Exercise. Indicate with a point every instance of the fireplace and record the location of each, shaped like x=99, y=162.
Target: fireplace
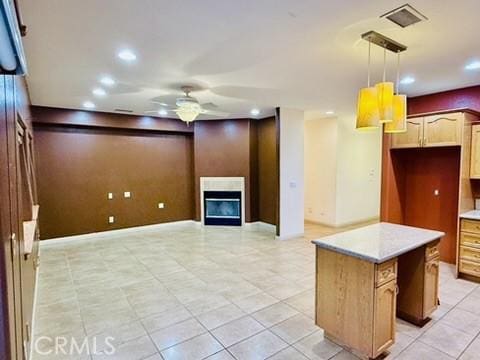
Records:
x=223, y=208
x=222, y=200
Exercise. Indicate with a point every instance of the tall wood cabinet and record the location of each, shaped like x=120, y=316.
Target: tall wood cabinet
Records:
x=431, y=131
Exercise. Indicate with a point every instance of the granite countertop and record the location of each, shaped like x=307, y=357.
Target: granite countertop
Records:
x=472, y=215
x=380, y=242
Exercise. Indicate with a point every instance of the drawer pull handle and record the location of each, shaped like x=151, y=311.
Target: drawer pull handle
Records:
x=386, y=273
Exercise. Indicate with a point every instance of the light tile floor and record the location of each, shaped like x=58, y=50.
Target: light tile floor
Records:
x=183, y=292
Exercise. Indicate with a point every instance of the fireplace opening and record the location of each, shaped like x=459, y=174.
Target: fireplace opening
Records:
x=223, y=208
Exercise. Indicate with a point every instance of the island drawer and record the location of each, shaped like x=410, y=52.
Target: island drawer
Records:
x=432, y=250
x=471, y=226
x=471, y=240
x=469, y=267
x=470, y=254
x=385, y=272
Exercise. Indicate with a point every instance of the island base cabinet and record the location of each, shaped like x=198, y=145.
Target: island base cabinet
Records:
x=384, y=317
x=418, y=279
x=356, y=302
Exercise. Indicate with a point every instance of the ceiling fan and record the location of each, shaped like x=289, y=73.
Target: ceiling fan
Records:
x=188, y=108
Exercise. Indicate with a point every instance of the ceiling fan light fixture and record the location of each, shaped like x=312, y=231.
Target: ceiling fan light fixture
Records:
x=187, y=114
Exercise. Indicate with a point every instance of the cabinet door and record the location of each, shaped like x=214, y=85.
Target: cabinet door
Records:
x=412, y=138
x=384, y=317
x=443, y=130
x=430, y=295
x=475, y=153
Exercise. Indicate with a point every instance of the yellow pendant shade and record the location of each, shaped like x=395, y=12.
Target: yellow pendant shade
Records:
x=367, y=112
x=385, y=101
x=399, y=123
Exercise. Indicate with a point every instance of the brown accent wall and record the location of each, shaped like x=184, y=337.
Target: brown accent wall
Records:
x=267, y=170
x=222, y=148
x=78, y=167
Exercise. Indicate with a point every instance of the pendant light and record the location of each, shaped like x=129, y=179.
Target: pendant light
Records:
x=385, y=94
x=367, y=112
x=399, y=123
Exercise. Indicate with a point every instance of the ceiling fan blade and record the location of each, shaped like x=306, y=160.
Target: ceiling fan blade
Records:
x=209, y=106
x=215, y=113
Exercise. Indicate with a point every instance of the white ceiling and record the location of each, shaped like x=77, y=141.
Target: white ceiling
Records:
x=251, y=53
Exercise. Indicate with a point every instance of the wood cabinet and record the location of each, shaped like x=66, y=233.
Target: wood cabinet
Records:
x=469, y=254
x=412, y=138
x=431, y=280
x=431, y=131
x=475, y=153
x=366, y=325
x=418, y=278
x=384, y=317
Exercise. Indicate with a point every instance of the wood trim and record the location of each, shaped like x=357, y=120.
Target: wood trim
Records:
x=441, y=112
x=78, y=118
x=277, y=207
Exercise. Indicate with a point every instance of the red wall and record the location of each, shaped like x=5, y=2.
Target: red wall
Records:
x=466, y=98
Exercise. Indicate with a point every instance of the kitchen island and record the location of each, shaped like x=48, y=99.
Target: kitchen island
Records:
x=368, y=276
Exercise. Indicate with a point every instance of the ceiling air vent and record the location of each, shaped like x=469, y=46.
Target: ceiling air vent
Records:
x=123, y=110
x=404, y=16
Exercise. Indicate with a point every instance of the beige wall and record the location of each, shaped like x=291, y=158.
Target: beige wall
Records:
x=342, y=171
x=320, y=168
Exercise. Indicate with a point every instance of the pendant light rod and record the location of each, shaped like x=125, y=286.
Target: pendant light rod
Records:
x=384, y=63
x=383, y=41
x=398, y=72
x=368, y=68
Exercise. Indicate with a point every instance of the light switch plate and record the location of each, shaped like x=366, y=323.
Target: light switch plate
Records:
x=161, y=205
x=126, y=194
x=111, y=219
x=110, y=196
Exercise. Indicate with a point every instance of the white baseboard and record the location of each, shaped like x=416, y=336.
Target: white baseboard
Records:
x=342, y=224
x=289, y=237
x=114, y=232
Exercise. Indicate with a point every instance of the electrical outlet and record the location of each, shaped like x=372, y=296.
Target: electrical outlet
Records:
x=126, y=194
x=111, y=219
x=161, y=205
x=110, y=196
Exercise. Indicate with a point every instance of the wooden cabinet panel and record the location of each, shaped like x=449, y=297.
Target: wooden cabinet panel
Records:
x=475, y=153
x=469, y=267
x=432, y=250
x=471, y=226
x=384, y=317
x=412, y=137
x=470, y=254
x=443, y=130
x=385, y=272
x=430, y=297
x=471, y=240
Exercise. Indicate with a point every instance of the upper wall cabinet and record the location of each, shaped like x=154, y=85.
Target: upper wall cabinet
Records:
x=475, y=154
x=412, y=137
x=431, y=131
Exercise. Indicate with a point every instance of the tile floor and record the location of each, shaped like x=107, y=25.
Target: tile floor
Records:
x=183, y=292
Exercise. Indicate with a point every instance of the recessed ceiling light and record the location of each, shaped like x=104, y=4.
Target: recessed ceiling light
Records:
x=127, y=55
x=99, y=92
x=407, y=80
x=255, y=112
x=330, y=112
x=88, y=105
x=475, y=65
x=107, y=81
x=162, y=112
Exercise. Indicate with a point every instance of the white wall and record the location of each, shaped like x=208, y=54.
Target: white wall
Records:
x=342, y=171
x=320, y=168
x=359, y=159
x=291, y=173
